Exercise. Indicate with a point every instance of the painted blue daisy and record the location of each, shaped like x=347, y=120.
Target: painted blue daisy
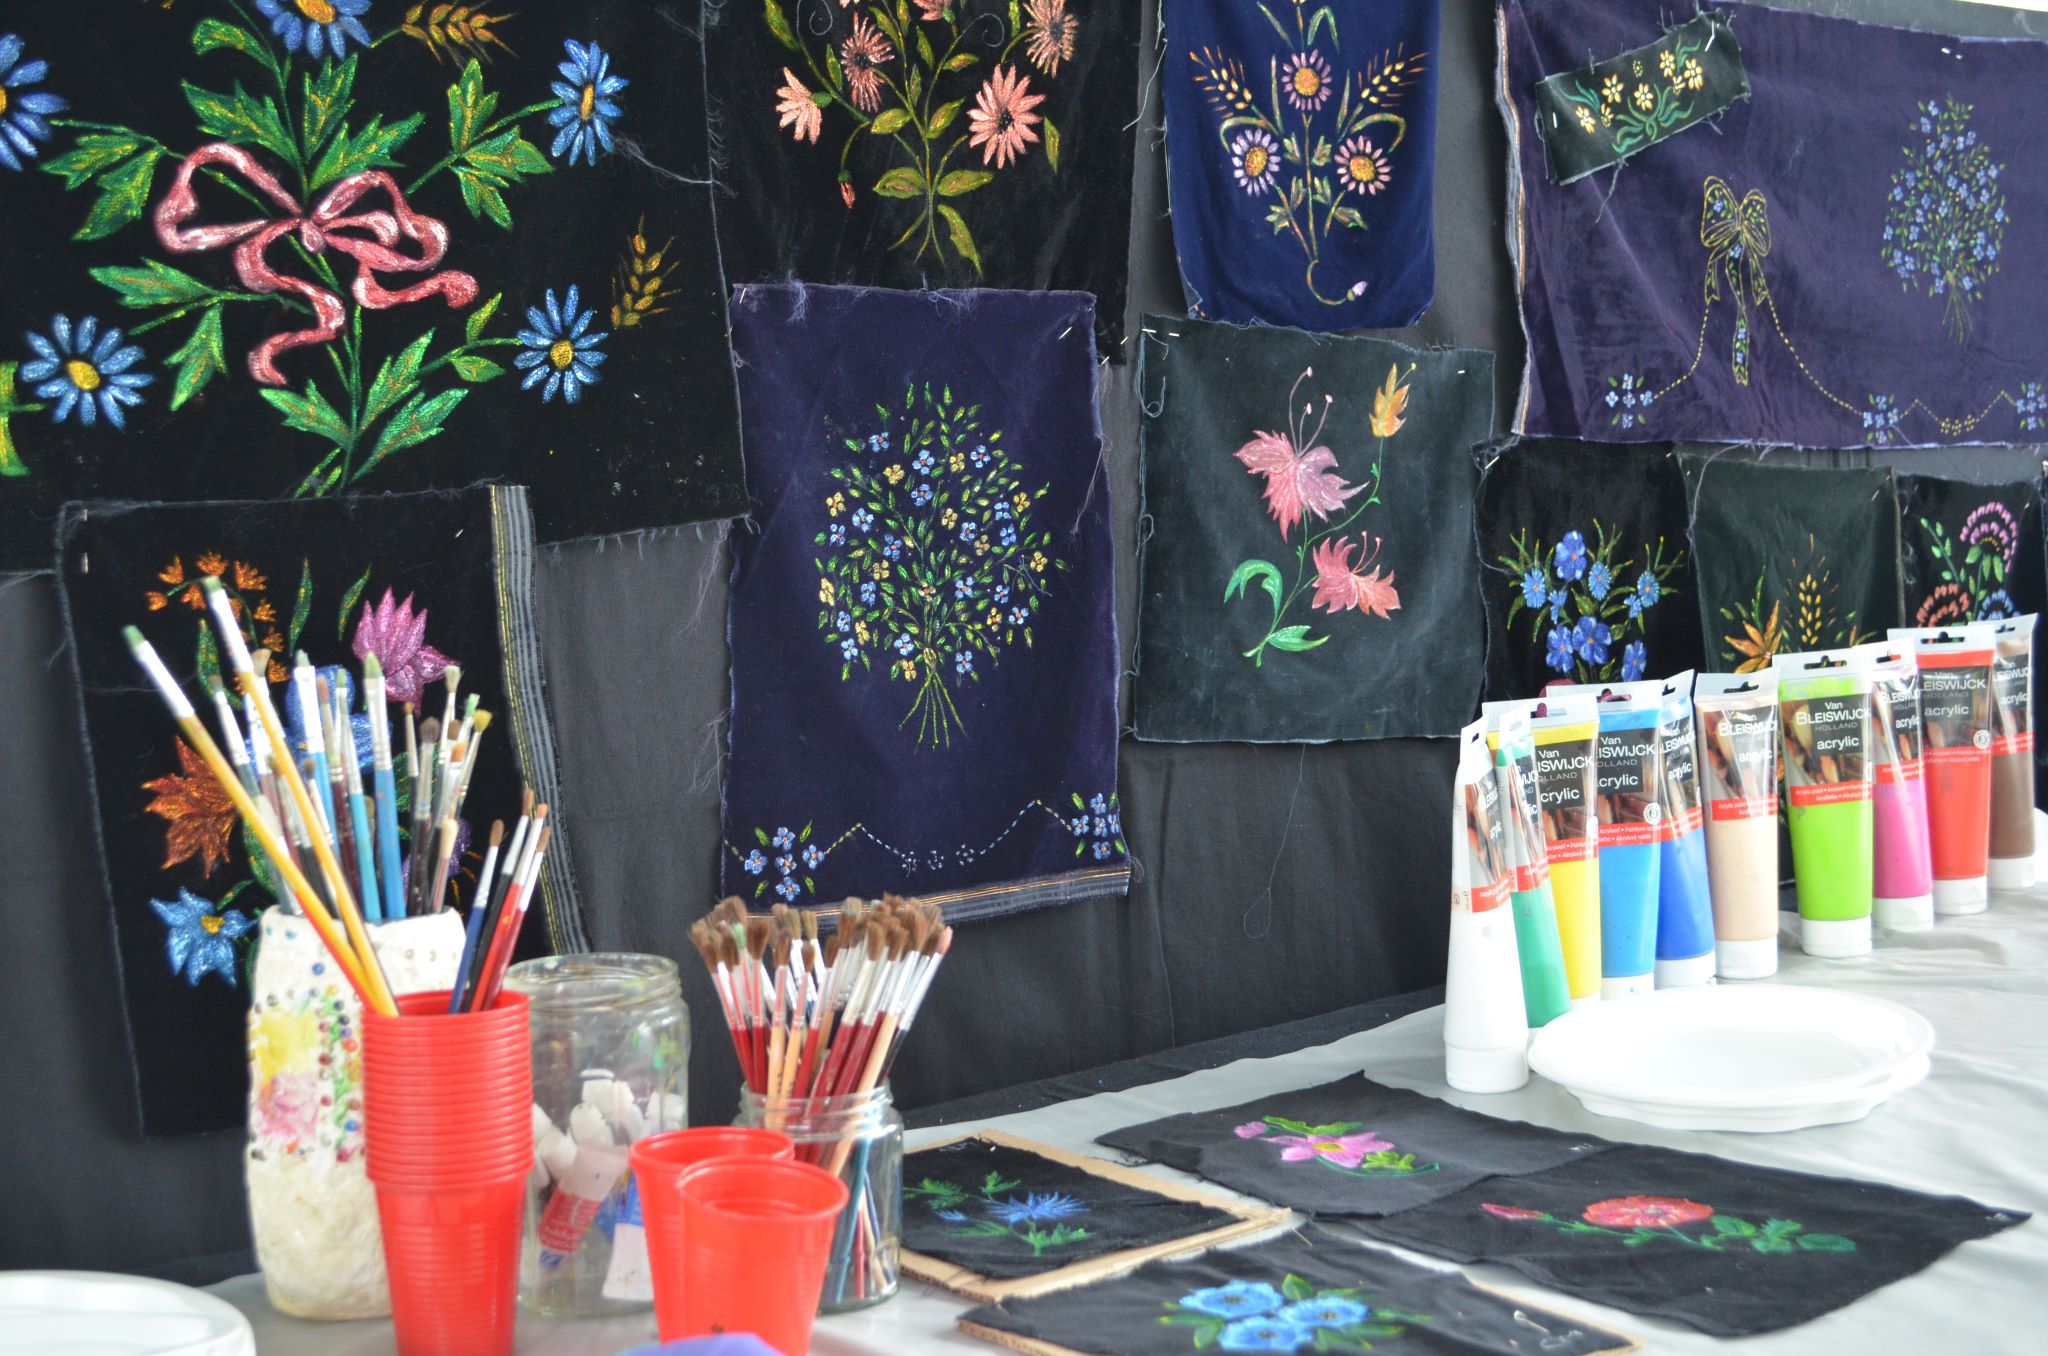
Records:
x=1038, y=1208
x=202, y=936
x=1648, y=588
x=1264, y=1334
x=85, y=370
x=23, y=110
x=1331, y=1311
x=1635, y=657
x=1239, y=1299
x=316, y=27
x=587, y=110
x=1535, y=588
x=812, y=855
x=1570, y=556
x=560, y=348
x=1591, y=636
x=756, y=861
x=783, y=838
x=1557, y=650
x=1599, y=579
x=1558, y=598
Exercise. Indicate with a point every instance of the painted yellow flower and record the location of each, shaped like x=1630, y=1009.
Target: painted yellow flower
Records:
x=1038, y=561
x=994, y=619
x=835, y=503
x=909, y=671
x=895, y=474
x=826, y=593
x=981, y=546
x=1021, y=500
x=860, y=632
x=1389, y=404
x=1694, y=76
x=1667, y=63
x=879, y=570
x=929, y=655
x=1586, y=123
x=1638, y=64
x=1611, y=91
x=1607, y=115
x=1645, y=100
x=282, y=1041
x=949, y=519
x=927, y=592
x=957, y=462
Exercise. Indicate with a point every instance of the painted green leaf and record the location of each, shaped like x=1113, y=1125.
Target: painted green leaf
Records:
x=259, y=864
x=124, y=196
x=943, y=118
x=958, y=182
x=474, y=368
x=473, y=328
x=1826, y=1243
x=349, y=601
x=94, y=153
x=1294, y=639
x=1728, y=1224
x=888, y=120
x=396, y=379
x=310, y=413
x=481, y=196
x=302, y=606
x=375, y=147
x=1295, y=1288
x=327, y=96
x=199, y=359
x=206, y=659
x=153, y=284
x=962, y=239
x=508, y=156
x=901, y=182
x=1052, y=145
x=778, y=24
x=210, y=35
x=242, y=118
x=960, y=62
x=420, y=420
x=469, y=106
x=1264, y=571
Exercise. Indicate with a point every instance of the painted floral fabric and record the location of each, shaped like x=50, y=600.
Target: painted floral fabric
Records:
x=1608, y=110
x=1307, y=573
x=1728, y=1248
x=422, y=581
x=923, y=638
x=1826, y=268
x=1301, y=159
x=1352, y=1148
x=1790, y=558
x=1002, y=1211
x=943, y=143
x=1301, y=1292
x=287, y=249
x=1969, y=552
x=1585, y=568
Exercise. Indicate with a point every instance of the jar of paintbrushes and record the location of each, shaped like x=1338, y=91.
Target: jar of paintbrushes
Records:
x=858, y=1138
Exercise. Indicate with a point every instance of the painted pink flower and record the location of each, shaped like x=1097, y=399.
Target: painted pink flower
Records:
x=1296, y=482
x=1514, y=1212
x=1002, y=118
x=1646, y=1212
x=863, y=54
x=1306, y=78
x=1346, y=1151
x=1990, y=529
x=398, y=637
x=1362, y=166
x=287, y=1106
x=931, y=11
x=799, y=112
x=1052, y=32
x=1338, y=586
x=1251, y=1129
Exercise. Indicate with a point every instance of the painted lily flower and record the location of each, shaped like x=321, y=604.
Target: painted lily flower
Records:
x=1338, y=586
x=1757, y=645
x=201, y=940
x=398, y=637
x=1297, y=482
x=1346, y=1151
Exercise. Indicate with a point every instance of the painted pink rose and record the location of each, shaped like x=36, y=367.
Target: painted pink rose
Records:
x=287, y=1106
x=1251, y=1129
x=1346, y=1151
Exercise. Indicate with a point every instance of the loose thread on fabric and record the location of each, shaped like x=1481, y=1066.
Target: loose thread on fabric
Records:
x=1265, y=896
x=707, y=771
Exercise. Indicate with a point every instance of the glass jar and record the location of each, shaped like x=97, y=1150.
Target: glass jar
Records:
x=611, y=1054
x=859, y=1139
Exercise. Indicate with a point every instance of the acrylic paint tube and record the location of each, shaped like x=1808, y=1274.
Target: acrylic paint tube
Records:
x=1902, y=876
x=1824, y=730
x=1685, y=910
x=2012, y=756
x=1955, y=720
x=1738, y=738
x=1545, y=993
x=1565, y=729
x=1486, y=1035
x=1629, y=791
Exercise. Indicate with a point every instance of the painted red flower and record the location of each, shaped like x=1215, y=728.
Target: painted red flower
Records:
x=863, y=54
x=1002, y=118
x=1296, y=482
x=1338, y=586
x=398, y=637
x=198, y=815
x=1646, y=1212
x=1948, y=603
x=1514, y=1212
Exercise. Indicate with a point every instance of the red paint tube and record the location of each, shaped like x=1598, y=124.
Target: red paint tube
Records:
x=1955, y=716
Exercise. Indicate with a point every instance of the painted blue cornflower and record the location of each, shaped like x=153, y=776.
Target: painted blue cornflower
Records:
x=843, y=622
x=924, y=463
x=812, y=855
x=1599, y=579
x=202, y=936
x=85, y=370
x=979, y=456
x=1557, y=650
x=1535, y=588
x=559, y=347
x=316, y=27
x=922, y=495
x=787, y=890
x=963, y=662
x=1264, y=1334
x=863, y=519
x=1591, y=636
x=587, y=110
x=1018, y=616
x=23, y=110
x=1332, y=1311
x=1558, y=598
x=756, y=862
x=1634, y=658
x=892, y=545
x=783, y=838
x=1649, y=588
x=1570, y=556
x=1038, y=1208
x=836, y=534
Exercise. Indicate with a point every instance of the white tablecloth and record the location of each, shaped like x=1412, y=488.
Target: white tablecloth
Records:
x=1976, y=1127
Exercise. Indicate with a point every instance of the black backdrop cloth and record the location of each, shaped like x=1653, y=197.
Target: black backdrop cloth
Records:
x=1969, y=552
x=468, y=381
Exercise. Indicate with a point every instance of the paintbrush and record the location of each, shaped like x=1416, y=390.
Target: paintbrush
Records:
x=422, y=816
x=474, y=926
x=386, y=787
x=516, y=902
x=305, y=688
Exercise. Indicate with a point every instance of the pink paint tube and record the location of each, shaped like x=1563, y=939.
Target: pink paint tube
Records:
x=1902, y=881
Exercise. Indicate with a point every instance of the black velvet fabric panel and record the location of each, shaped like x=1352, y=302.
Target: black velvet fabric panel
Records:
x=1005, y=1212
x=404, y=392
x=1969, y=552
x=1728, y=1248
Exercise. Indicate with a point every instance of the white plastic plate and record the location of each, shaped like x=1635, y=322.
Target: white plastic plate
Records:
x=90, y=1313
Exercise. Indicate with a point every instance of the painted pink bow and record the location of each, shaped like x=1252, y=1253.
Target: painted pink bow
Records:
x=370, y=237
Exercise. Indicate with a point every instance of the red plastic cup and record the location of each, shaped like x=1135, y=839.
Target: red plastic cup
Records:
x=756, y=1237
x=448, y=1134
x=658, y=1161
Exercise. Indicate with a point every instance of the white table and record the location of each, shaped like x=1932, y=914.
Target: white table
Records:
x=1976, y=1127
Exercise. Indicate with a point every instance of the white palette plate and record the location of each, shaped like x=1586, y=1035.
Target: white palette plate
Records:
x=90, y=1313
x=1722, y=1057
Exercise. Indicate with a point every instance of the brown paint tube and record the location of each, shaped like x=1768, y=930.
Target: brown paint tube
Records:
x=2012, y=756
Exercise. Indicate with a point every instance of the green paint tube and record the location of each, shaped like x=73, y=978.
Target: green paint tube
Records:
x=1546, y=994
x=1824, y=722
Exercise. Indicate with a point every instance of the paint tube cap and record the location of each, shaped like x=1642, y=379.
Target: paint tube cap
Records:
x=1835, y=938
x=2012, y=873
x=1688, y=972
x=1626, y=986
x=1912, y=914
x=1486, y=1070
x=1963, y=895
x=1757, y=959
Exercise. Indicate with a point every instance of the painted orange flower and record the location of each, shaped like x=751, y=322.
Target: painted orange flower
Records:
x=799, y=112
x=247, y=578
x=1757, y=646
x=1339, y=586
x=1002, y=118
x=1948, y=603
x=199, y=814
x=863, y=54
x=213, y=563
x=1051, y=32
x=1389, y=405
x=1646, y=1212
x=1297, y=482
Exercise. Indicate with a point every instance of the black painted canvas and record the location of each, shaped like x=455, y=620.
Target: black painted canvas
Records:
x=1790, y=559
x=1584, y=565
x=1352, y=1148
x=1298, y=1293
x=928, y=143
x=1619, y=106
x=1003, y=1212
x=1306, y=569
x=1969, y=552
x=1728, y=1248
x=422, y=581
x=259, y=249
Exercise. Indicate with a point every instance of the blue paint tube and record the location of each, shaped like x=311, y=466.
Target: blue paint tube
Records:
x=1630, y=798
x=1685, y=909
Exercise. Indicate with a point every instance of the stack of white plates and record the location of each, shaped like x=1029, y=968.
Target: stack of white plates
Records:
x=89, y=1313
x=1757, y=1057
